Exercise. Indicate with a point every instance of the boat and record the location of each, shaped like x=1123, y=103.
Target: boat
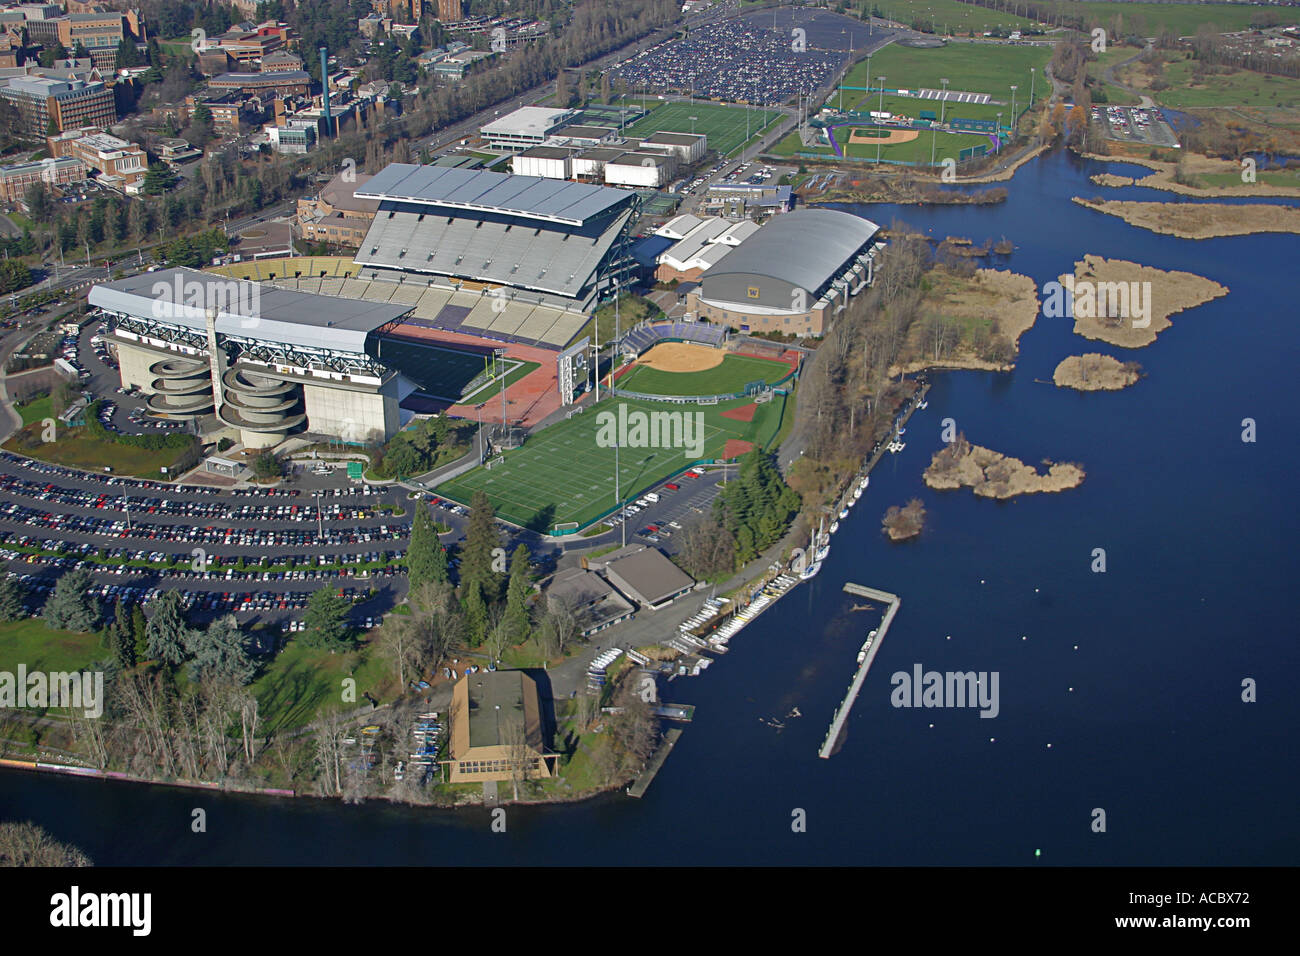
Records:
x=857, y=493
x=810, y=571
x=923, y=405
x=866, y=480
x=835, y=526
x=862, y=656
x=822, y=553
x=901, y=431
x=844, y=513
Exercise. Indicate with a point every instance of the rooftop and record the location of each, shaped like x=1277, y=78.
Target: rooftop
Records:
x=528, y=121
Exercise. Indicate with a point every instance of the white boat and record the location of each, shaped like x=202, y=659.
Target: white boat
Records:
x=862, y=656
x=901, y=431
x=924, y=405
x=866, y=480
x=811, y=570
x=835, y=526
x=844, y=513
x=822, y=553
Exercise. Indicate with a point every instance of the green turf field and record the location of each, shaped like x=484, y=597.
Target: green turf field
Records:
x=443, y=372
x=732, y=375
x=562, y=474
x=911, y=107
x=945, y=145
x=723, y=125
x=972, y=67
x=950, y=16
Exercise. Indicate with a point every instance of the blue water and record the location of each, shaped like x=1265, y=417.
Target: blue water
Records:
x=1199, y=531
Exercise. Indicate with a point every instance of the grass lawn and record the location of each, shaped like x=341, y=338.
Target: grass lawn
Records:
x=36, y=411
x=950, y=16
x=78, y=449
x=1264, y=92
x=723, y=125
x=731, y=376
x=1096, y=68
x=1147, y=19
x=31, y=643
x=972, y=67
x=563, y=475
x=944, y=145
x=1271, y=177
x=302, y=682
x=911, y=107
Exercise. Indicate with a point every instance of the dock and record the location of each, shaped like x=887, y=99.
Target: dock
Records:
x=841, y=714
x=642, y=782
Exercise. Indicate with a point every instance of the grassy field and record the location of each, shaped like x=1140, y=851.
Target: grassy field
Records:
x=723, y=125
x=76, y=448
x=731, y=376
x=951, y=16
x=1241, y=88
x=36, y=411
x=911, y=107
x=31, y=643
x=563, y=475
x=973, y=67
x=946, y=145
x=1147, y=19
x=302, y=683
x=1097, y=67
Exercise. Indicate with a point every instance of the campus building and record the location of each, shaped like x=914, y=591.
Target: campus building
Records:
x=792, y=275
x=335, y=214
x=67, y=104
x=525, y=127
x=266, y=361
x=496, y=726
x=121, y=165
x=698, y=245
x=15, y=180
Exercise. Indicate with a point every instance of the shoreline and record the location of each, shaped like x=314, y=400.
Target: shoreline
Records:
x=1198, y=220
x=1163, y=173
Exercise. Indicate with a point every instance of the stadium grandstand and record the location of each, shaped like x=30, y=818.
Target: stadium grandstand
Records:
x=644, y=337
x=264, y=361
x=512, y=258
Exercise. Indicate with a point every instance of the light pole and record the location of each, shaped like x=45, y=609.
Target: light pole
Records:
x=1032, y=71
x=998, y=147
x=943, y=100
x=881, y=79
x=1014, y=124
x=501, y=369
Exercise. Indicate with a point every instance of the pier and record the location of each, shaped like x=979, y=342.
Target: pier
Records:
x=841, y=714
x=642, y=783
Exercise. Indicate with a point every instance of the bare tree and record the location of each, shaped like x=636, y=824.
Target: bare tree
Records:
x=26, y=844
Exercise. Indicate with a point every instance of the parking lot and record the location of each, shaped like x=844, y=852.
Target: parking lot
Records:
x=658, y=516
x=1133, y=124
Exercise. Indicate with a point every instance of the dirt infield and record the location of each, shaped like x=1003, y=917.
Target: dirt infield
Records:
x=860, y=135
x=735, y=448
x=681, y=357
x=745, y=413
x=528, y=400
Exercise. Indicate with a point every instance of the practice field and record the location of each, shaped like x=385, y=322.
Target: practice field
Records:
x=565, y=473
x=723, y=125
x=652, y=375
x=944, y=145
x=971, y=67
x=950, y=16
x=442, y=372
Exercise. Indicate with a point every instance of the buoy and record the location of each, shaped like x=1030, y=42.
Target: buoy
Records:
x=932, y=725
x=1023, y=638
x=1071, y=690
x=991, y=739
x=1076, y=647
x=1035, y=590
x=1038, y=853
x=1049, y=746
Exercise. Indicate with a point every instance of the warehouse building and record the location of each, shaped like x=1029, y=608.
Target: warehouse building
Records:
x=792, y=275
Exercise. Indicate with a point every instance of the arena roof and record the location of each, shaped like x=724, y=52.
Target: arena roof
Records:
x=806, y=247
x=529, y=197
x=271, y=314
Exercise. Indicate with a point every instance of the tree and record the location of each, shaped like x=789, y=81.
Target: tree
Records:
x=69, y=607
x=326, y=621
x=121, y=640
x=200, y=132
x=517, y=590
x=12, y=595
x=139, y=632
x=158, y=179
x=26, y=844
x=426, y=559
x=267, y=466
x=477, y=554
x=167, y=632
x=220, y=653
x=53, y=53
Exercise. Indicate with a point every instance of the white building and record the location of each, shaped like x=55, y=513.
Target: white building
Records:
x=525, y=127
x=549, y=162
x=687, y=147
x=641, y=169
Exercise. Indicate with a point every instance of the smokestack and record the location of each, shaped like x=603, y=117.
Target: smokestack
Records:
x=325, y=90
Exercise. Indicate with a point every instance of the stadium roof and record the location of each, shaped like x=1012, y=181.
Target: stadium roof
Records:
x=247, y=309
x=806, y=247
x=529, y=197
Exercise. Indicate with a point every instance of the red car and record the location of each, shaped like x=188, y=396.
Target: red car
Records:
x=671, y=487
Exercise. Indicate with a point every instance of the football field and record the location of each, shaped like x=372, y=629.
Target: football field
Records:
x=565, y=473
x=723, y=125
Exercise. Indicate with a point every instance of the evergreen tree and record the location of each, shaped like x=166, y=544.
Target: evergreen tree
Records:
x=476, y=555
x=327, y=621
x=12, y=594
x=121, y=640
x=517, y=590
x=221, y=653
x=426, y=560
x=139, y=633
x=167, y=630
x=69, y=607
x=158, y=179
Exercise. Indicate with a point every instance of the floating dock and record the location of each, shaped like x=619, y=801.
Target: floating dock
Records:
x=841, y=715
x=642, y=783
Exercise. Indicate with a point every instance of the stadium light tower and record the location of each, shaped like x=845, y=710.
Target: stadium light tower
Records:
x=998, y=147
x=943, y=98
x=882, y=115
x=501, y=370
x=1014, y=87
x=1032, y=70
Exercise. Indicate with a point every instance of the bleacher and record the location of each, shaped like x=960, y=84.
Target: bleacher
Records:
x=644, y=336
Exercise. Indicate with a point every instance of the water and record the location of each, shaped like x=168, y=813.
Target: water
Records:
x=1199, y=535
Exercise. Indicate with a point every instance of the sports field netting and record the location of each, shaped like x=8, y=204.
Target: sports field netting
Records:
x=563, y=474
